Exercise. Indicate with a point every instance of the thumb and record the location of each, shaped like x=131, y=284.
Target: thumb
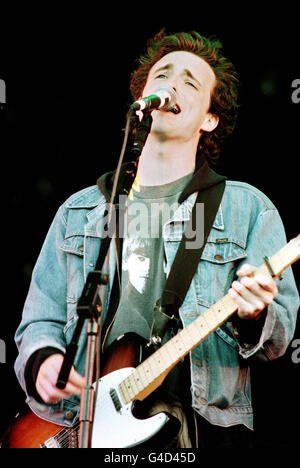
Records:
x=76, y=379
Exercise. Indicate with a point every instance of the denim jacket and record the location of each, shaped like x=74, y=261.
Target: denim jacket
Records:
x=247, y=227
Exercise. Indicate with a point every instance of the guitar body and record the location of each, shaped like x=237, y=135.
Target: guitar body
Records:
x=29, y=431
x=125, y=380
x=116, y=426
x=113, y=426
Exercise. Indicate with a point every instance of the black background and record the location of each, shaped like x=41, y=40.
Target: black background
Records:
x=67, y=78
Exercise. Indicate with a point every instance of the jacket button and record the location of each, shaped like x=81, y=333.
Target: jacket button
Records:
x=81, y=248
x=218, y=257
x=69, y=415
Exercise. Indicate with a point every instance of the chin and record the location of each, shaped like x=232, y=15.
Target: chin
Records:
x=162, y=124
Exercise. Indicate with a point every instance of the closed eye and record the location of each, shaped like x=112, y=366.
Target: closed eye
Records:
x=190, y=83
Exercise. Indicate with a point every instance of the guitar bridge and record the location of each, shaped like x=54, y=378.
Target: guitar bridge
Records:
x=66, y=438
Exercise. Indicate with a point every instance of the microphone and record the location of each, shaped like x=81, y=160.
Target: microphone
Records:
x=164, y=99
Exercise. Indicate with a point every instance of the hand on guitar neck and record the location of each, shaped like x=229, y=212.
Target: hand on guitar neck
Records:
x=253, y=293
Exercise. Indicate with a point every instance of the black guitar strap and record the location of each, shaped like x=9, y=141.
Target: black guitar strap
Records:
x=166, y=316
x=210, y=187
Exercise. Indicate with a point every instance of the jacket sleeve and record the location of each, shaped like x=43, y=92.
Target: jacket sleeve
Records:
x=45, y=314
x=266, y=238
x=32, y=369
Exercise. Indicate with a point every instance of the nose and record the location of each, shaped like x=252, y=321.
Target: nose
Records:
x=173, y=83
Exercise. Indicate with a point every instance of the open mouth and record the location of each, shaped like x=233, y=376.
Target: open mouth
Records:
x=175, y=110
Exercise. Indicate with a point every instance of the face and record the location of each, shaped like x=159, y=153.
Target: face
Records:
x=138, y=268
x=193, y=80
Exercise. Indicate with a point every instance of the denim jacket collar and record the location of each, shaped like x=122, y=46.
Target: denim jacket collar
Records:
x=184, y=210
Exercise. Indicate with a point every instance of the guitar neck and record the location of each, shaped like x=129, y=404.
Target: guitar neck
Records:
x=151, y=373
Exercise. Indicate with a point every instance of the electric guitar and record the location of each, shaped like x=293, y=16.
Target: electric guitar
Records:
x=122, y=383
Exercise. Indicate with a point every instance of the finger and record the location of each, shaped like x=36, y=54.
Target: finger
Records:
x=251, y=285
x=46, y=387
x=76, y=379
x=256, y=301
x=267, y=283
x=55, y=394
x=42, y=392
x=246, y=310
x=246, y=270
x=52, y=372
x=49, y=393
x=71, y=389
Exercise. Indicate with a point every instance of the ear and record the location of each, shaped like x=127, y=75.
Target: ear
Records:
x=210, y=123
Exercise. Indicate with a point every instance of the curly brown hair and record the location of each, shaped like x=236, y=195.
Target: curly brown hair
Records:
x=224, y=96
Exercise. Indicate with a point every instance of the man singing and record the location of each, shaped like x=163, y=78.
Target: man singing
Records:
x=210, y=390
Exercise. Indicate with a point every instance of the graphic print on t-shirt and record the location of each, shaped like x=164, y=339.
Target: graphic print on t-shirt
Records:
x=136, y=261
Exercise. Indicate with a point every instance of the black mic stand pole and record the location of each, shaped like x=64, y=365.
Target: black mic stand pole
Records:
x=89, y=305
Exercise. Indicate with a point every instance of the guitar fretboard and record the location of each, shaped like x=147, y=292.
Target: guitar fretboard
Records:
x=151, y=373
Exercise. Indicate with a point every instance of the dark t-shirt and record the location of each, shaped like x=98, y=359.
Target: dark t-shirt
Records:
x=143, y=256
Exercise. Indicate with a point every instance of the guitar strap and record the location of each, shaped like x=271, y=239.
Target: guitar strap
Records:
x=166, y=310
x=210, y=187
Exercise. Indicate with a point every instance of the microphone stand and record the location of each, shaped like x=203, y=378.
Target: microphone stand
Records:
x=142, y=134
x=89, y=306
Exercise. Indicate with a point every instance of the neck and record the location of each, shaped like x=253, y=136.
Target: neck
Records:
x=162, y=162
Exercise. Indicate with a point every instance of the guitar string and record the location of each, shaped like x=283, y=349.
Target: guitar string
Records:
x=63, y=436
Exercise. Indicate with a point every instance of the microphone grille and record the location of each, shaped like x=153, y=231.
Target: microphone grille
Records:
x=169, y=93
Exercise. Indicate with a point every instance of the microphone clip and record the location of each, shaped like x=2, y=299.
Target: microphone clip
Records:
x=142, y=134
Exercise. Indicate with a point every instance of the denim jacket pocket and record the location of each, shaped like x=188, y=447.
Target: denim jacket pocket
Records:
x=73, y=246
x=216, y=269
x=223, y=250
